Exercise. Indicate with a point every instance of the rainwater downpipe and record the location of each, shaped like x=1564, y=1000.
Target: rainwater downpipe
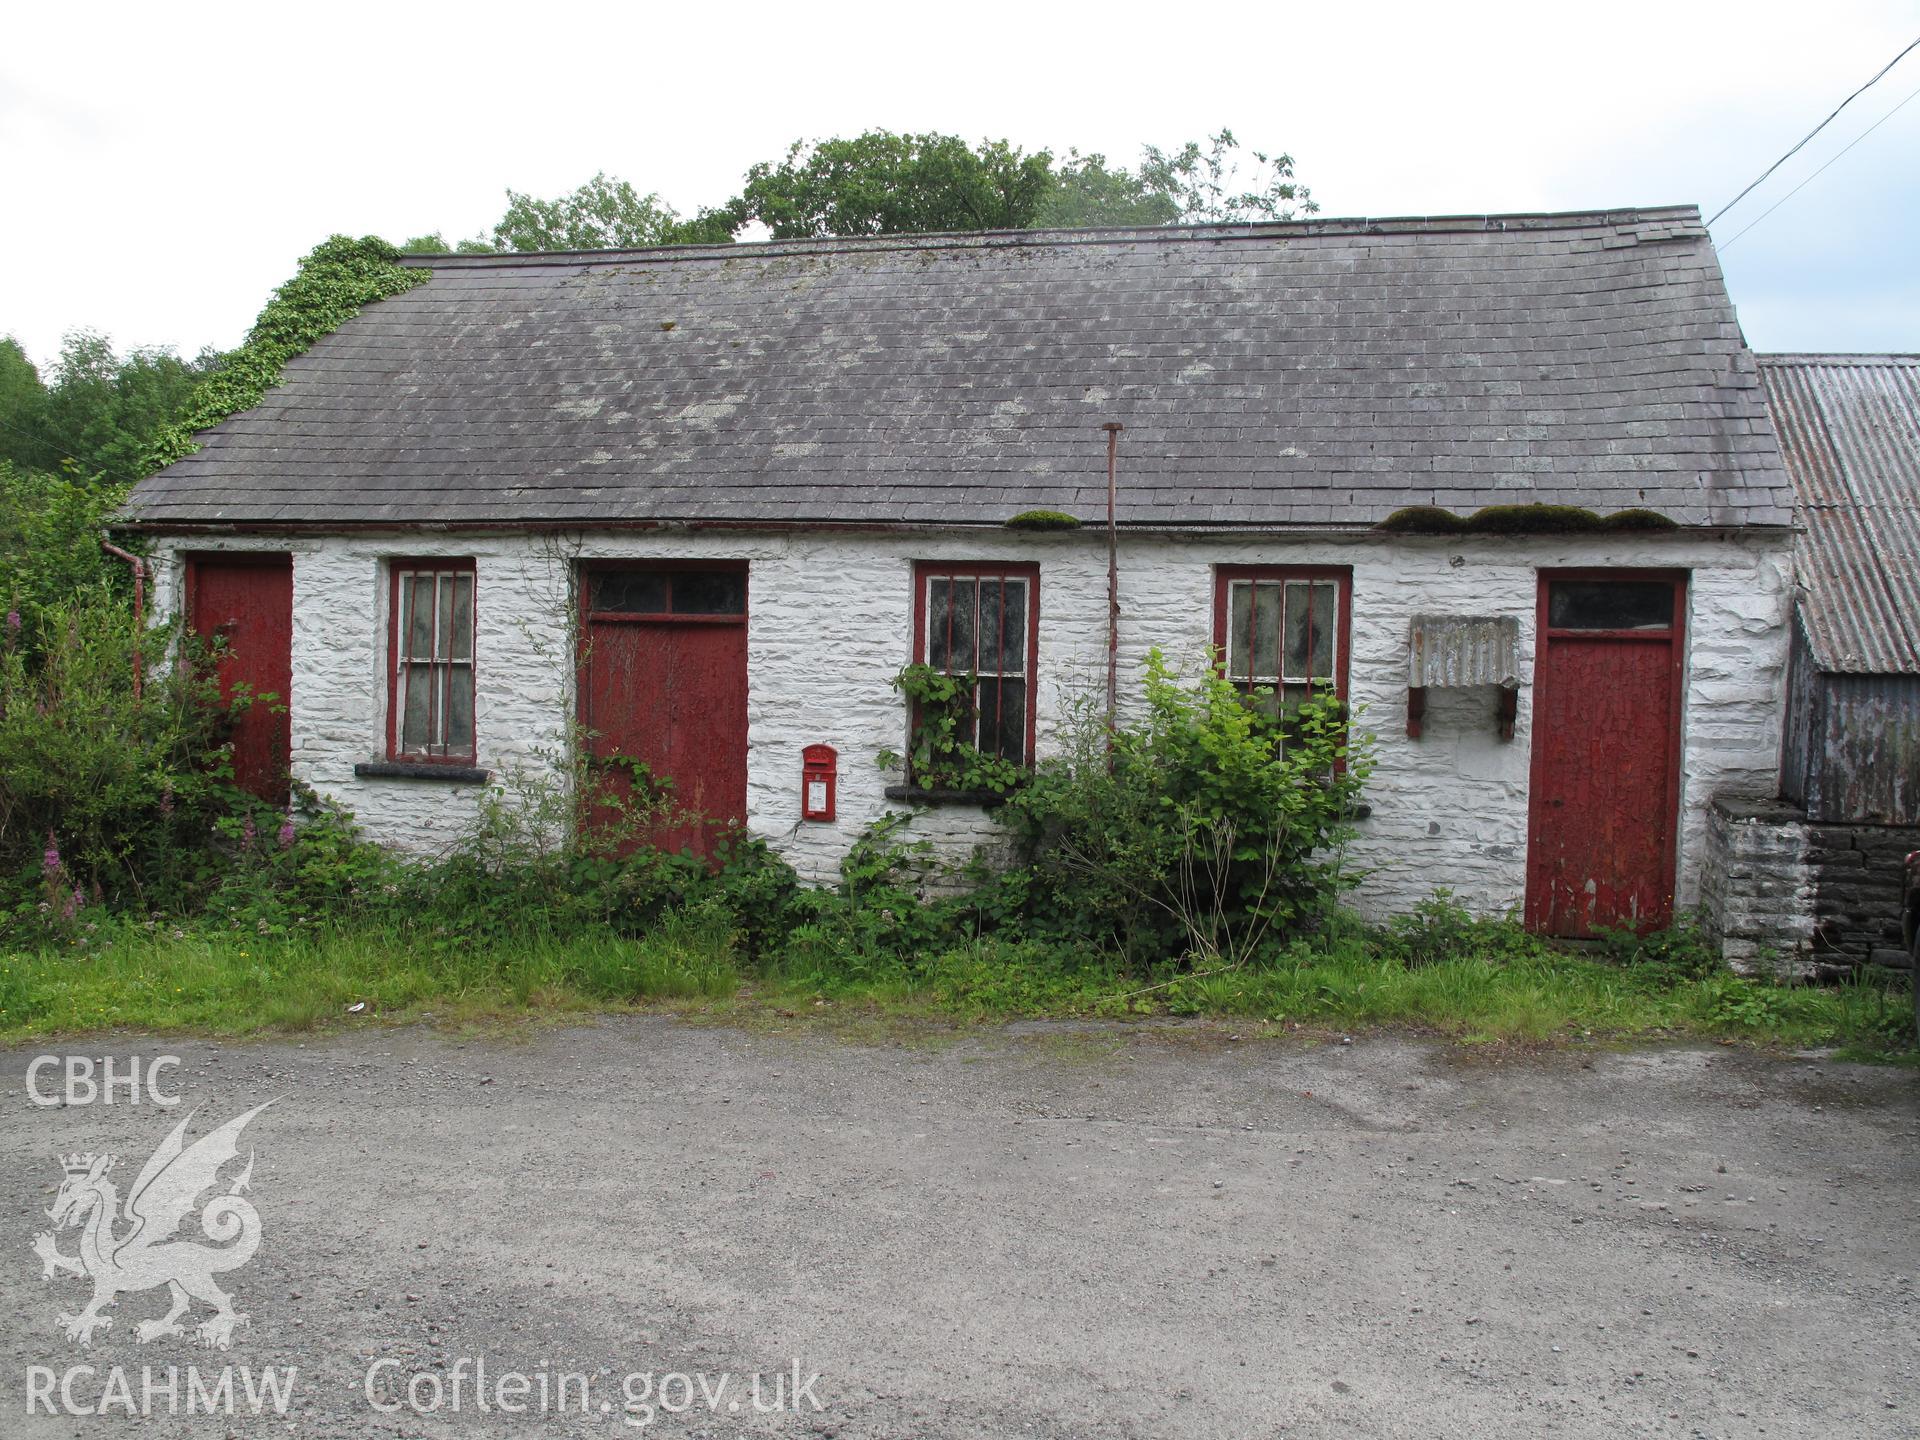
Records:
x=1113, y=429
x=139, y=602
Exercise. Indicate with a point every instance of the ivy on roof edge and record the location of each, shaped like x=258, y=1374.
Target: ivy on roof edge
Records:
x=332, y=285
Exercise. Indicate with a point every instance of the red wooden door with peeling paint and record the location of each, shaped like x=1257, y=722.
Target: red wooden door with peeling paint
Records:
x=1608, y=682
x=243, y=605
x=663, y=680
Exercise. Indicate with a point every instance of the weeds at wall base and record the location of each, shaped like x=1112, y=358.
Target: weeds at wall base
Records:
x=694, y=961
x=1197, y=874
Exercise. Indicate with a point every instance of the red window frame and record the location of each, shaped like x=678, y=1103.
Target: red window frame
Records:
x=399, y=663
x=1225, y=577
x=1028, y=571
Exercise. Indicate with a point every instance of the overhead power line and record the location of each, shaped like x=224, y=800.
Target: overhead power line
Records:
x=1822, y=170
x=1816, y=130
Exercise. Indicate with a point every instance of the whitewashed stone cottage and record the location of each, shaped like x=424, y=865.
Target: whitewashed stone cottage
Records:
x=710, y=501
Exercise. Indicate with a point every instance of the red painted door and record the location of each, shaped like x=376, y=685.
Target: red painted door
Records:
x=1608, y=684
x=663, y=680
x=243, y=605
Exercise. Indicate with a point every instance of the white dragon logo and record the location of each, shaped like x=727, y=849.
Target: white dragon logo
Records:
x=147, y=1255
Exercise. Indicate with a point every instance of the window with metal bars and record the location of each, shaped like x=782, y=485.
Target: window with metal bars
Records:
x=430, y=707
x=983, y=621
x=1282, y=630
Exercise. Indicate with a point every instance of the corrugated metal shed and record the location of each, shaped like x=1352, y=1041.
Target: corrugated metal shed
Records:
x=1459, y=650
x=1849, y=428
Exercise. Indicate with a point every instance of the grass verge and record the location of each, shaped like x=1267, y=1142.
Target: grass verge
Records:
x=230, y=983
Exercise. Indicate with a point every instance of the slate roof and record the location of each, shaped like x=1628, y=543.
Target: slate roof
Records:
x=1319, y=373
x=1849, y=426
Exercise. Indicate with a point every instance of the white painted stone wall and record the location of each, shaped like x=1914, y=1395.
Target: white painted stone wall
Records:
x=831, y=623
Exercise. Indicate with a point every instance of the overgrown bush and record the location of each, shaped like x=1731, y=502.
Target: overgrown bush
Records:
x=938, y=756
x=1681, y=949
x=50, y=555
x=102, y=796
x=1209, y=830
x=1439, y=928
x=874, y=925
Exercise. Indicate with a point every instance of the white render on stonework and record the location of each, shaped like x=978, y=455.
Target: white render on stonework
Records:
x=830, y=623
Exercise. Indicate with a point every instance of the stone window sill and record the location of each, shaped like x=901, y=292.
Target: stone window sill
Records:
x=919, y=795
x=418, y=770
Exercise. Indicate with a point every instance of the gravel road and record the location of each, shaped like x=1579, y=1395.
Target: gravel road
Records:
x=1038, y=1230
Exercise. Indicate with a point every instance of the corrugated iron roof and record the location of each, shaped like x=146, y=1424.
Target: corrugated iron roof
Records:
x=1849, y=428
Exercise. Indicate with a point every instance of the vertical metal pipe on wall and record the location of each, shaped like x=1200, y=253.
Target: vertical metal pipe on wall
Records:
x=1113, y=429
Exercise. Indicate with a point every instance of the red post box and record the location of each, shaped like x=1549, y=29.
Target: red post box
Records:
x=819, y=765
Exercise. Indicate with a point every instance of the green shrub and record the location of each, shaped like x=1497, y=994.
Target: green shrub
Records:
x=941, y=708
x=50, y=555
x=279, y=875
x=1681, y=949
x=1205, y=831
x=1439, y=929
x=101, y=795
x=874, y=924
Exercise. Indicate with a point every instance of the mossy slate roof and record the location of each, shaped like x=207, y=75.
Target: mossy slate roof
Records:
x=1317, y=373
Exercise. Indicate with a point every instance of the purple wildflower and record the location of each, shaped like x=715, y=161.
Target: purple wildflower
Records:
x=50, y=862
x=249, y=833
x=71, y=906
x=13, y=624
x=286, y=831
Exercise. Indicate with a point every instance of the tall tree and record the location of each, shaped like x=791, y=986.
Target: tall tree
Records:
x=1087, y=191
x=603, y=214
x=23, y=406
x=1207, y=184
x=436, y=244
x=100, y=408
x=881, y=183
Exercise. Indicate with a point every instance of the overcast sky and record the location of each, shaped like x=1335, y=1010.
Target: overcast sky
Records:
x=165, y=165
